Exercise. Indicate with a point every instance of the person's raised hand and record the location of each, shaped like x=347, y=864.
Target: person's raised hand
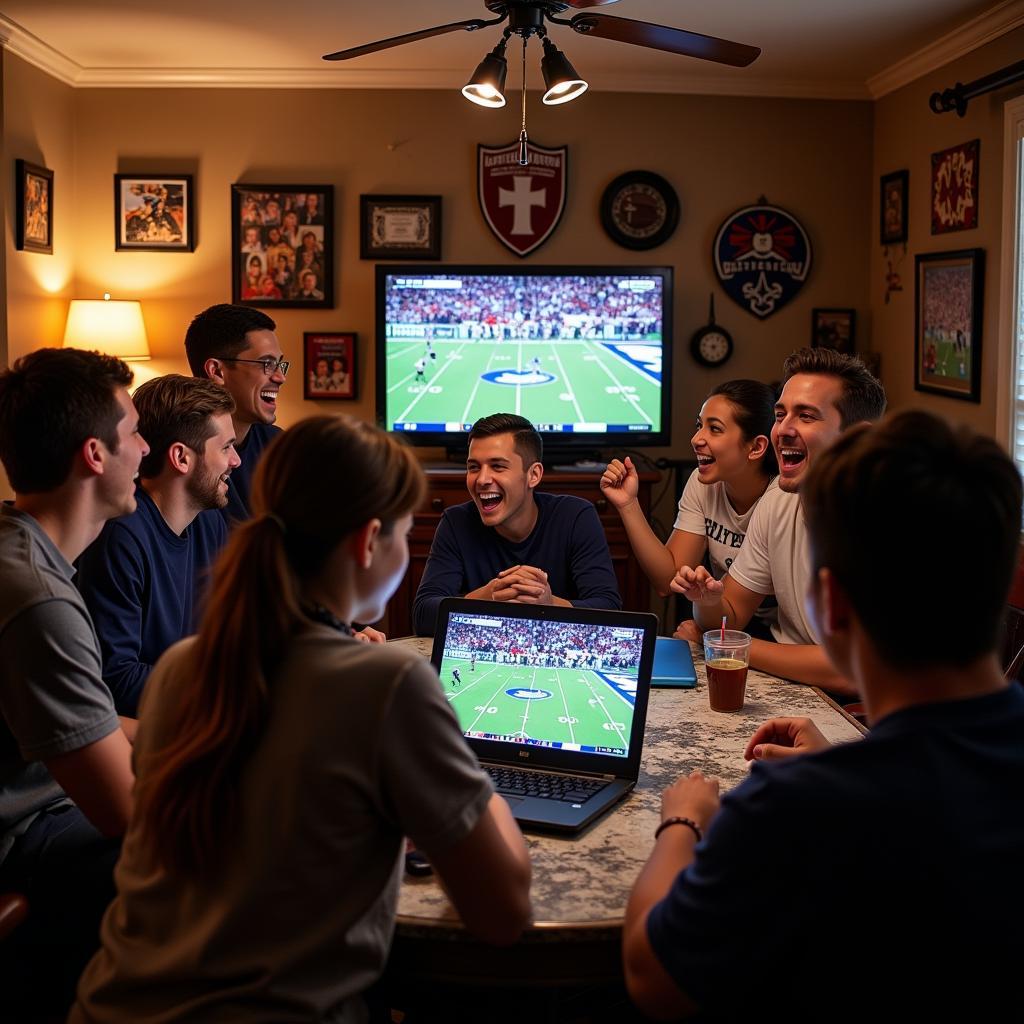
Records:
x=693, y=796
x=785, y=737
x=620, y=483
x=697, y=585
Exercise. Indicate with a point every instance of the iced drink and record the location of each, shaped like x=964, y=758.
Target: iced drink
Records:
x=726, y=657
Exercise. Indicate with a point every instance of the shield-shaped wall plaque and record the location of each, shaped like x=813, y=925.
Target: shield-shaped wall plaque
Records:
x=522, y=204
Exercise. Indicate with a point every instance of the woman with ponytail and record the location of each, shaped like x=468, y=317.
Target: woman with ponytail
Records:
x=281, y=763
x=735, y=466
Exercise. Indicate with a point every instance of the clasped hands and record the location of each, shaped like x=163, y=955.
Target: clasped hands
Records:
x=521, y=584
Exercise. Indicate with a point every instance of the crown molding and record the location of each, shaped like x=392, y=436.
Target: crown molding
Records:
x=1002, y=18
x=32, y=49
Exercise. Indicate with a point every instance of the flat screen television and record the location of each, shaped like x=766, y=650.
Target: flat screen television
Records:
x=584, y=353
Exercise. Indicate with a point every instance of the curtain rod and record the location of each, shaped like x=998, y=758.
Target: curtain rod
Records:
x=957, y=97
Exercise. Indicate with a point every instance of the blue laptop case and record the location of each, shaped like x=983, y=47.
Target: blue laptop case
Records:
x=673, y=665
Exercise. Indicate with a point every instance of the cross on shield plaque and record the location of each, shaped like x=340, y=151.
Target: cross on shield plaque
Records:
x=522, y=204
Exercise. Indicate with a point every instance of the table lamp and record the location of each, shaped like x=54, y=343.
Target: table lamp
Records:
x=113, y=327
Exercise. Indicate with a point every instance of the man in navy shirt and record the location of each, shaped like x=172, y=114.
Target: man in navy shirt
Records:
x=510, y=543
x=897, y=859
x=236, y=346
x=142, y=577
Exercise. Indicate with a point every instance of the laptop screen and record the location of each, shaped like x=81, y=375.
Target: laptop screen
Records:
x=568, y=686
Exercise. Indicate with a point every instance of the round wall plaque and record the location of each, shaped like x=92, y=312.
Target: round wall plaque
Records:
x=639, y=210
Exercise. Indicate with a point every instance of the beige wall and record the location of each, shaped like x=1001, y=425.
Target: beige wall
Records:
x=719, y=153
x=906, y=133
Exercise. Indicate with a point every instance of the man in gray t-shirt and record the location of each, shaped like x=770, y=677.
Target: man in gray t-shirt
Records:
x=70, y=445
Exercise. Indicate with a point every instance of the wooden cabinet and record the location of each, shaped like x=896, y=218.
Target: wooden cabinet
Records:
x=448, y=487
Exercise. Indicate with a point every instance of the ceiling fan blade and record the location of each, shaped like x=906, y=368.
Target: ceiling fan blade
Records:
x=661, y=37
x=409, y=37
x=580, y=4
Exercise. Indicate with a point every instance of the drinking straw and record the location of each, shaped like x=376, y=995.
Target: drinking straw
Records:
x=723, y=628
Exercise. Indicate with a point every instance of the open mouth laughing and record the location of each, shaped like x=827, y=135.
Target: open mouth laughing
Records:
x=791, y=459
x=269, y=397
x=489, y=500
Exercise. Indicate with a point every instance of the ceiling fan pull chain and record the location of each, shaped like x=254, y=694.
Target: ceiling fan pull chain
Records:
x=524, y=155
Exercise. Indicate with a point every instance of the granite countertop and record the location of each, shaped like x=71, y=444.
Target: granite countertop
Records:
x=581, y=884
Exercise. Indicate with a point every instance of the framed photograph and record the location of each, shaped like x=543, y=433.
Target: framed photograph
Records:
x=947, y=323
x=893, y=193
x=400, y=227
x=282, y=245
x=833, y=328
x=153, y=213
x=33, y=187
x=955, y=188
x=329, y=365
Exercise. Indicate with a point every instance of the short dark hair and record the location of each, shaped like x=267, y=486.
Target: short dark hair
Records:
x=176, y=408
x=219, y=333
x=754, y=411
x=526, y=440
x=914, y=495
x=51, y=402
x=863, y=395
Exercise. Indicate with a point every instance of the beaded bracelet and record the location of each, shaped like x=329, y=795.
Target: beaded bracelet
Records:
x=688, y=822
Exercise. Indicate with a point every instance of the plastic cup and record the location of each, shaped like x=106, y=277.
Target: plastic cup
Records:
x=726, y=659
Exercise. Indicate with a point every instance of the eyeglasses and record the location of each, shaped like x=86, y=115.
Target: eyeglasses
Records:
x=269, y=365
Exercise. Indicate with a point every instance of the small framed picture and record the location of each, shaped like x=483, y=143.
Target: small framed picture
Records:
x=329, y=365
x=834, y=328
x=955, y=188
x=282, y=245
x=400, y=227
x=33, y=189
x=893, y=194
x=948, y=294
x=153, y=213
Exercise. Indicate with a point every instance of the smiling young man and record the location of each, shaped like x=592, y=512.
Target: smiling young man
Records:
x=71, y=447
x=824, y=392
x=236, y=347
x=143, y=576
x=899, y=854
x=511, y=542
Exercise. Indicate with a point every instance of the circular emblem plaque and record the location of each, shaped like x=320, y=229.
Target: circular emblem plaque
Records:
x=639, y=210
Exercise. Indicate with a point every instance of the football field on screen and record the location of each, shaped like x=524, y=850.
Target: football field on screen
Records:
x=575, y=707
x=574, y=381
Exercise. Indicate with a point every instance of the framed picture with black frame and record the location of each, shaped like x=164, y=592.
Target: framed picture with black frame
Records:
x=400, y=227
x=282, y=246
x=834, y=328
x=893, y=216
x=33, y=198
x=948, y=297
x=328, y=365
x=153, y=213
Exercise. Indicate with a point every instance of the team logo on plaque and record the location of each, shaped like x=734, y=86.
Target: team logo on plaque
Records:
x=522, y=204
x=762, y=257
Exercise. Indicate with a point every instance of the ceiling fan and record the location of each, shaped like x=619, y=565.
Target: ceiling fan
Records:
x=527, y=18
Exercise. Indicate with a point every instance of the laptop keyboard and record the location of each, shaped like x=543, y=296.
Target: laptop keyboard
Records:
x=572, y=789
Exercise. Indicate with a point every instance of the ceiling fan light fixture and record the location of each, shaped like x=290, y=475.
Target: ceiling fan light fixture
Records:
x=562, y=81
x=486, y=87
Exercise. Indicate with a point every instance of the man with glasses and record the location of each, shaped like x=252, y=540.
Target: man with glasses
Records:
x=142, y=579
x=236, y=346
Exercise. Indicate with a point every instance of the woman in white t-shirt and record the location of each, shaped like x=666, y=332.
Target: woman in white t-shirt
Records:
x=735, y=466
x=280, y=764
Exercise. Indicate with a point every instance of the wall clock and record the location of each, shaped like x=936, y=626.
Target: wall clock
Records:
x=639, y=210
x=711, y=345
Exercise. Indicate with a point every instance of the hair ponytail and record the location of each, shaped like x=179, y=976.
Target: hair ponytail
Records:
x=315, y=485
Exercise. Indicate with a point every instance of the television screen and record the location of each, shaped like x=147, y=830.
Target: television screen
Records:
x=581, y=352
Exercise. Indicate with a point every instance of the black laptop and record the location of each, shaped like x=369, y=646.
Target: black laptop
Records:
x=552, y=700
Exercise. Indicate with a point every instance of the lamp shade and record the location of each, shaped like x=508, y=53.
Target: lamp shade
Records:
x=487, y=86
x=561, y=80
x=115, y=328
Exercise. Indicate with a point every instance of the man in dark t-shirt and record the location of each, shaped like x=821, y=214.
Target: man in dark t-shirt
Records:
x=142, y=578
x=510, y=543
x=896, y=859
x=236, y=346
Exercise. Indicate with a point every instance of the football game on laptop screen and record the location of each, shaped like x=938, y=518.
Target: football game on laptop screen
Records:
x=562, y=685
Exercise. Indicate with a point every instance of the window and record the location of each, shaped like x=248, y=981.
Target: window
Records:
x=1010, y=410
